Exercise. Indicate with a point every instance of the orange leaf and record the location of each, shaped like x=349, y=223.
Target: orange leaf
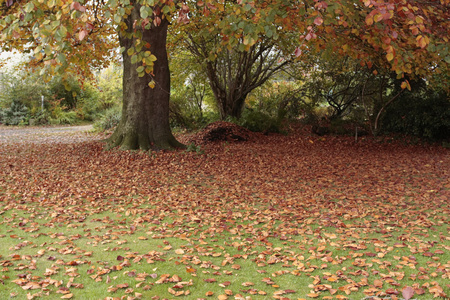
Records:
x=405, y=85
x=422, y=41
x=390, y=56
x=378, y=283
x=369, y=20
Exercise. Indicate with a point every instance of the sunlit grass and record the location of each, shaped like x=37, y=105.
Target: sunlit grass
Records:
x=248, y=258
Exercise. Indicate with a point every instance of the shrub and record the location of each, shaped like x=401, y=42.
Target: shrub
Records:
x=424, y=115
x=259, y=121
x=110, y=119
x=38, y=118
x=182, y=115
x=64, y=118
x=16, y=114
x=68, y=90
x=88, y=106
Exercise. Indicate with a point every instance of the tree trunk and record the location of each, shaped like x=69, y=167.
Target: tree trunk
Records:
x=376, y=125
x=145, y=112
x=229, y=105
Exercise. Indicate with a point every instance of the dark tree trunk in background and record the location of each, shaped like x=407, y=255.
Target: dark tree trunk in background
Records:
x=145, y=113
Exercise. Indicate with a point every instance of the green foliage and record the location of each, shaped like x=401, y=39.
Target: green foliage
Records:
x=88, y=107
x=109, y=119
x=66, y=101
x=259, y=121
x=64, y=118
x=191, y=102
x=272, y=104
x=16, y=85
x=178, y=116
x=424, y=114
x=38, y=118
x=183, y=115
x=193, y=148
x=16, y=114
x=109, y=87
x=24, y=90
x=68, y=90
x=102, y=93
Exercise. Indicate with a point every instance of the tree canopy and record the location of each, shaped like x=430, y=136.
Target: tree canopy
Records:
x=409, y=36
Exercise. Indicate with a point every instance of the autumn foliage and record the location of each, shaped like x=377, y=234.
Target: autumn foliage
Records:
x=409, y=37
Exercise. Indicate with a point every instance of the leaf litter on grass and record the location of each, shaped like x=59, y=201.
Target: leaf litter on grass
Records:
x=280, y=217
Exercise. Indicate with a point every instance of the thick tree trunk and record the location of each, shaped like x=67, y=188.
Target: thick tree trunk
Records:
x=145, y=113
x=228, y=105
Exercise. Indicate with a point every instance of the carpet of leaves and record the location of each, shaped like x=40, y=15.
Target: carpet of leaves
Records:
x=272, y=217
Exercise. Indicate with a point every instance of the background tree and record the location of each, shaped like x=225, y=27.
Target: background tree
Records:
x=236, y=54
x=233, y=74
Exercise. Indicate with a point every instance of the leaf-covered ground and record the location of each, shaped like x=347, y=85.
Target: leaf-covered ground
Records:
x=276, y=217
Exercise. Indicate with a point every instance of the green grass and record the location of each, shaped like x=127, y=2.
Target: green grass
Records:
x=107, y=239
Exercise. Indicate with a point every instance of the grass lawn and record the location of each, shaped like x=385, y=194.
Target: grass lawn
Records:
x=285, y=217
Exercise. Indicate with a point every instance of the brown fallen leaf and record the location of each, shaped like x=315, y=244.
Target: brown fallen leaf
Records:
x=225, y=284
x=313, y=295
x=378, y=283
x=31, y=286
x=122, y=286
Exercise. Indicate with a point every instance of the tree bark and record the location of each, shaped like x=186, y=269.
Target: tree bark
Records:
x=145, y=111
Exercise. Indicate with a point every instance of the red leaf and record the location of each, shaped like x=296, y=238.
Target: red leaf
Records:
x=77, y=6
x=90, y=26
x=408, y=292
x=318, y=21
x=82, y=34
